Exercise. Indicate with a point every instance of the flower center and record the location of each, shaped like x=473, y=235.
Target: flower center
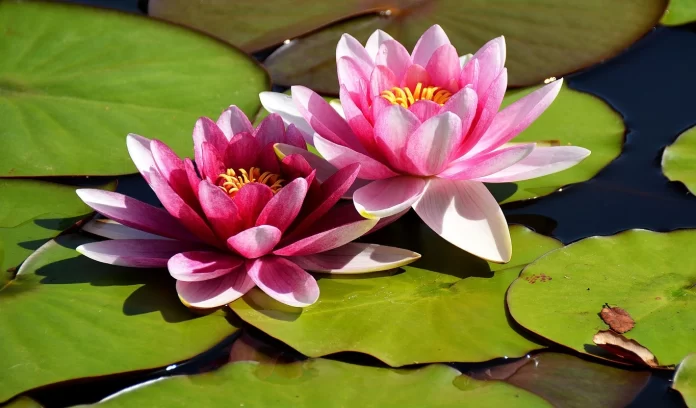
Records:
x=404, y=96
x=231, y=183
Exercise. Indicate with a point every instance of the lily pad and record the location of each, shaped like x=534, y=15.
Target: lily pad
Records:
x=679, y=12
x=69, y=93
x=447, y=307
x=65, y=316
x=574, y=118
x=31, y=213
x=23, y=402
x=679, y=160
x=648, y=274
x=545, y=37
x=685, y=380
x=325, y=384
x=568, y=381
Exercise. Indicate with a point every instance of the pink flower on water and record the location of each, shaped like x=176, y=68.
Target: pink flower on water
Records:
x=427, y=133
x=244, y=219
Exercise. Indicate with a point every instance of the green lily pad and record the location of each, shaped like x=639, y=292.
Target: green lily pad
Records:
x=679, y=12
x=65, y=316
x=23, y=402
x=325, y=383
x=574, y=118
x=446, y=307
x=679, y=160
x=568, y=381
x=650, y=275
x=31, y=213
x=576, y=33
x=69, y=93
x=685, y=380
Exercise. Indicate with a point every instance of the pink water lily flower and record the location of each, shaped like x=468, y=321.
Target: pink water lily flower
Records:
x=427, y=132
x=244, y=218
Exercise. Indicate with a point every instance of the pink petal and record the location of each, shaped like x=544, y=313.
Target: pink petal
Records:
x=541, y=162
x=430, y=147
x=463, y=104
x=220, y=210
x=425, y=109
x=375, y=42
x=176, y=206
x=111, y=229
x=211, y=164
x=349, y=47
x=295, y=166
x=250, y=201
x=140, y=153
x=195, y=266
x=215, y=292
x=466, y=214
x=255, y=242
x=443, y=68
x=208, y=131
x=283, y=281
x=276, y=102
x=192, y=176
x=357, y=258
x=470, y=74
x=324, y=168
x=323, y=118
x=487, y=164
x=351, y=74
x=414, y=75
x=233, y=121
x=341, y=225
x=282, y=209
x=270, y=130
x=430, y=41
x=387, y=197
x=491, y=59
x=171, y=167
x=294, y=137
x=267, y=161
x=136, y=253
x=357, y=122
x=341, y=156
x=242, y=152
x=394, y=56
x=382, y=79
x=512, y=120
x=135, y=214
x=393, y=127
x=383, y=222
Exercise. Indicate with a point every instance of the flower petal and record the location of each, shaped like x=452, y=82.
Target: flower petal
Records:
x=171, y=167
x=491, y=59
x=357, y=122
x=394, y=56
x=463, y=104
x=377, y=38
x=466, y=214
x=430, y=41
x=415, y=74
x=382, y=79
x=541, y=162
x=208, y=131
x=255, y=242
x=487, y=164
x=233, y=121
x=283, y=281
x=393, y=127
x=220, y=210
x=111, y=229
x=351, y=48
x=324, y=168
x=192, y=176
x=431, y=146
x=443, y=68
x=140, y=153
x=283, y=208
x=424, y=109
x=270, y=130
x=383, y=198
x=355, y=258
x=136, y=253
x=276, y=102
x=135, y=214
x=211, y=164
x=195, y=266
x=251, y=200
x=215, y=292
x=295, y=137
x=351, y=74
x=342, y=156
x=242, y=152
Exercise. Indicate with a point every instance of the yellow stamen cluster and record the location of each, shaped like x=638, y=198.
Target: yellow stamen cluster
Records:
x=404, y=96
x=231, y=183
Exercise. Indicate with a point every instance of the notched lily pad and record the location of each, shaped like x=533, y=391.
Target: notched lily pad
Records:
x=679, y=160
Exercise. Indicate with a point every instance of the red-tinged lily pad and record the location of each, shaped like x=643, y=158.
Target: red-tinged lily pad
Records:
x=69, y=93
x=679, y=160
x=31, y=213
x=685, y=380
x=679, y=12
x=448, y=306
x=650, y=274
x=545, y=37
x=65, y=316
x=567, y=381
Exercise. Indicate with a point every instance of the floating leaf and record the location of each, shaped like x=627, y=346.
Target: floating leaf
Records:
x=448, y=308
x=617, y=318
x=679, y=160
x=65, y=316
x=69, y=93
x=325, y=384
x=624, y=348
x=23, y=402
x=685, y=380
x=679, y=12
x=649, y=273
x=31, y=213
x=567, y=381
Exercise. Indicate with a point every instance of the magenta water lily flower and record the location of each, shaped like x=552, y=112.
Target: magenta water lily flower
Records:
x=244, y=218
x=427, y=131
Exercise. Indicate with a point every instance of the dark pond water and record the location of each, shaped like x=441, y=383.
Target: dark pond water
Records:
x=651, y=84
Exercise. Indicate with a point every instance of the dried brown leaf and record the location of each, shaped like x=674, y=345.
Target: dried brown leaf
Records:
x=617, y=318
x=627, y=349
